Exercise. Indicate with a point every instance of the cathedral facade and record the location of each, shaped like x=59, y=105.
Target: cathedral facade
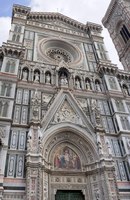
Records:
x=64, y=112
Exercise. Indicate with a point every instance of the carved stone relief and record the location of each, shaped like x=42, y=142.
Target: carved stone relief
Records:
x=83, y=104
x=67, y=114
x=46, y=99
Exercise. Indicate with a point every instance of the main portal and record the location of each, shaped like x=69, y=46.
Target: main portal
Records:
x=69, y=195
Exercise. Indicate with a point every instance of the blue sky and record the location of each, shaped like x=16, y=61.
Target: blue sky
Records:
x=80, y=10
x=6, y=6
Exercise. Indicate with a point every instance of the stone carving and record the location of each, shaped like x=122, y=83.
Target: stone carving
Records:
x=108, y=146
x=83, y=104
x=59, y=54
x=48, y=78
x=2, y=132
x=77, y=84
x=46, y=99
x=125, y=90
x=63, y=80
x=66, y=114
x=99, y=144
x=96, y=117
x=88, y=87
x=35, y=104
x=97, y=86
x=97, y=195
x=36, y=77
x=34, y=140
x=25, y=75
x=62, y=64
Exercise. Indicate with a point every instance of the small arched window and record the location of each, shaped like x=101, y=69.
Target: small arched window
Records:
x=17, y=29
x=7, y=67
x=5, y=109
x=17, y=38
x=14, y=38
x=10, y=66
x=125, y=33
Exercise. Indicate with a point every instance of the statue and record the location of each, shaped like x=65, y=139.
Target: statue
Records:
x=96, y=112
x=36, y=103
x=39, y=132
x=108, y=146
x=36, y=79
x=25, y=75
x=77, y=84
x=29, y=139
x=97, y=85
x=97, y=195
x=99, y=144
x=125, y=90
x=48, y=78
x=63, y=80
x=88, y=85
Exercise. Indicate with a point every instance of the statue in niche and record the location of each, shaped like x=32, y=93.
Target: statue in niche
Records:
x=108, y=146
x=125, y=90
x=66, y=158
x=77, y=83
x=96, y=112
x=37, y=76
x=25, y=75
x=122, y=170
x=48, y=78
x=63, y=80
x=99, y=144
x=88, y=85
x=97, y=85
x=36, y=102
x=97, y=195
x=29, y=139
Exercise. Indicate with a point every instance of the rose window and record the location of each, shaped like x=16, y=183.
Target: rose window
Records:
x=59, y=54
x=56, y=50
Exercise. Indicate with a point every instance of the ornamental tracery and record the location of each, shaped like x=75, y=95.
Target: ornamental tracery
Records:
x=59, y=54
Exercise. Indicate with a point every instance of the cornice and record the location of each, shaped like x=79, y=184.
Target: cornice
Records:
x=21, y=9
x=40, y=16
x=13, y=50
x=109, y=11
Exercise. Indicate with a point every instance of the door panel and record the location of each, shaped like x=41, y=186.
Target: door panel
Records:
x=69, y=195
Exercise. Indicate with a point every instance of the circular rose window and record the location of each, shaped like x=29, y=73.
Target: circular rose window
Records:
x=58, y=50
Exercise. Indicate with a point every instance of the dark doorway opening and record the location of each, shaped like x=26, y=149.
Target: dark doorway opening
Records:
x=69, y=195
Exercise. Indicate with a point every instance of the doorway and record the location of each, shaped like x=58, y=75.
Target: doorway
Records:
x=69, y=195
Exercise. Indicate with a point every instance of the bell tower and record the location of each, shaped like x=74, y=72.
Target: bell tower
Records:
x=117, y=21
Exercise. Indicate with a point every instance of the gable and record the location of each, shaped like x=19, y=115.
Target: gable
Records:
x=65, y=109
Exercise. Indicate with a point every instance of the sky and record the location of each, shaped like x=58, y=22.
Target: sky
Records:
x=80, y=10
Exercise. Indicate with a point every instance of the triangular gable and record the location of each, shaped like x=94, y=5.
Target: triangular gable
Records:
x=66, y=109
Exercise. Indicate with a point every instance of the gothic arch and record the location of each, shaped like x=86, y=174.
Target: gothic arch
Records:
x=76, y=138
